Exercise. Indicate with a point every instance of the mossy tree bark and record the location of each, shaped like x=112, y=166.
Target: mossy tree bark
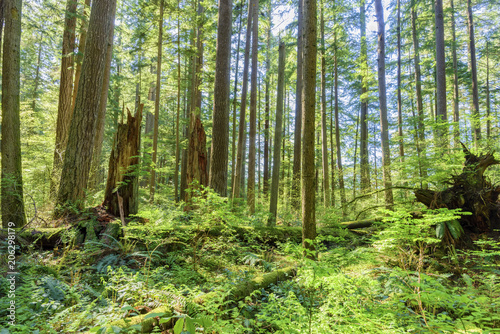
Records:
x=220, y=140
x=12, y=180
x=308, y=120
x=78, y=155
x=273, y=208
x=65, y=106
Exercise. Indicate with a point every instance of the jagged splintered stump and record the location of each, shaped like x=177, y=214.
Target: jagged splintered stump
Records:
x=122, y=187
x=471, y=192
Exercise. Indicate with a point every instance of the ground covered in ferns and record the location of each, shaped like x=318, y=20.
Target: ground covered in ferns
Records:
x=171, y=273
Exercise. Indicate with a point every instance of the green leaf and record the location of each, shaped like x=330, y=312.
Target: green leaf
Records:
x=204, y=321
x=127, y=308
x=137, y=327
x=152, y=315
x=440, y=228
x=179, y=326
x=116, y=329
x=97, y=329
x=455, y=228
x=191, y=328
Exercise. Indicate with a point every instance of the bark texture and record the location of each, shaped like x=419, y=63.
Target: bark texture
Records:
x=273, y=206
x=308, y=120
x=80, y=146
x=65, y=106
x=441, y=114
x=384, y=124
x=123, y=173
x=12, y=180
x=220, y=139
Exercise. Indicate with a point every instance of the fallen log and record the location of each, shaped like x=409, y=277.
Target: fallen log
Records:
x=239, y=292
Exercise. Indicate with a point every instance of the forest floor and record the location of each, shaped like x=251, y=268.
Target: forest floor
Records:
x=177, y=272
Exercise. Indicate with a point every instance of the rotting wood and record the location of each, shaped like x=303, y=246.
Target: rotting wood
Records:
x=123, y=161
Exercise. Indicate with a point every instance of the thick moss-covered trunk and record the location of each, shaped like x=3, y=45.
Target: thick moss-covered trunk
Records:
x=471, y=192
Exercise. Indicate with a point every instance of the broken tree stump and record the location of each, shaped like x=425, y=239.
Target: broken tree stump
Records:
x=470, y=191
x=123, y=164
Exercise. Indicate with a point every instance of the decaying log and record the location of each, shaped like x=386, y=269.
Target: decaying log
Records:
x=239, y=292
x=123, y=163
x=470, y=191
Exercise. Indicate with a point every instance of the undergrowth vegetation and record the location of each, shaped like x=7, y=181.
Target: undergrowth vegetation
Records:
x=185, y=271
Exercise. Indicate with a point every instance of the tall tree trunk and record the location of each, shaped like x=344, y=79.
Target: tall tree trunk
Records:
x=12, y=180
x=488, y=110
x=273, y=206
x=235, y=95
x=101, y=116
x=220, y=138
x=324, y=146
x=253, y=110
x=152, y=183
x=2, y=19
x=333, y=147
x=337, y=126
x=418, y=81
x=177, y=119
x=308, y=120
x=197, y=161
x=82, y=131
x=239, y=170
x=384, y=125
x=81, y=52
x=363, y=148
x=456, y=114
x=476, y=123
x=37, y=73
x=400, y=113
x=64, y=108
x=267, y=98
x=298, y=110
x=441, y=114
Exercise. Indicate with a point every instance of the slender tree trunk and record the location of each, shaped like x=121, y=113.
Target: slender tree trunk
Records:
x=308, y=120
x=267, y=98
x=333, y=148
x=220, y=139
x=298, y=111
x=337, y=126
x=456, y=114
x=235, y=95
x=400, y=113
x=476, y=123
x=64, y=108
x=2, y=19
x=82, y=131
x=81, y=52
x=418, y=78
x=253, y=110
x=101, y=116
x=355, y=156
x=152, y=183
x=273, y=207
x=441, y=114
x=37, y=73
x=363, y=149
x=177, y=119
x=488, y=110
x=12, y=180
x=384, y=124
x=239, y=175
x=324, y=146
